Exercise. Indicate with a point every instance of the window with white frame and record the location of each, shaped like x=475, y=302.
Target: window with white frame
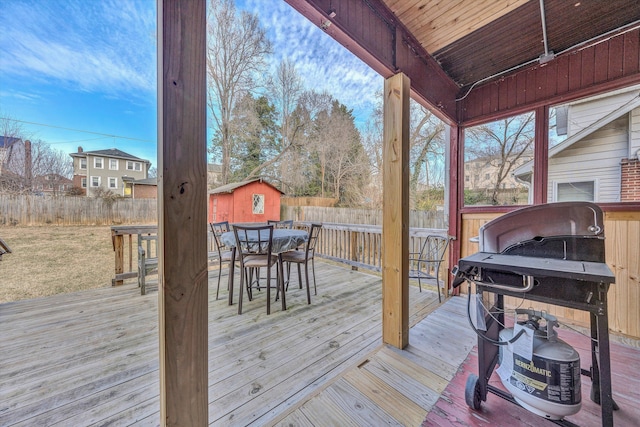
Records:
x=134, y=166
x=83, y=163
x=83, y=182
x=98, y=162
x=258, y=204
x=576, y=191
x=95, y=181
x=113, y=182
x=113, y=164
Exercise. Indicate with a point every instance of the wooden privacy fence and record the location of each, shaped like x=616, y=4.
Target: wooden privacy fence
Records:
x=66, y=210
x=359, y=246
x=418, y=219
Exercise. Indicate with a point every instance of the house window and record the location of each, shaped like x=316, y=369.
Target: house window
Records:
x=97, y=162
x=50, y=186
x=83, y=182
x=113, y=164
x=113, y=182
x=258, y=204
x=134, y=166
x=83, y=163
x=583, y=191
x=61, y=187
x=95, y=181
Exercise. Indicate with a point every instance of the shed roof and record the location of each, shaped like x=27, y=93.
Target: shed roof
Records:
x=231, y=187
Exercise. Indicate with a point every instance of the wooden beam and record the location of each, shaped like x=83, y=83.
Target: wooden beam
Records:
x=371, y=32
x=395, y=216
x=541, y=156
x=454, y=136
x=182, y=212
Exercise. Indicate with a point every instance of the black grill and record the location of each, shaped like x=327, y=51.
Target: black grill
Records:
x=555, y=254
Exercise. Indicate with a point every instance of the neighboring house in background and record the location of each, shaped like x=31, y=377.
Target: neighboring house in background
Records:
x=143, y=188
x=214, y=175
x=52, y=184
x=8, y=145
x=482, y=173
x=112, y=170
x=600, y=159
x=246, y=201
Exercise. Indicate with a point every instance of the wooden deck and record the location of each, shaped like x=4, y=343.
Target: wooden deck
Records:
x=90, y=358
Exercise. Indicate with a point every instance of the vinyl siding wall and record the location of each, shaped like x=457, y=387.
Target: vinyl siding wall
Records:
x=597, y=156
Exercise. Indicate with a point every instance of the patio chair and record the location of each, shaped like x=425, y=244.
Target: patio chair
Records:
x=287, y=223
x=304, y=257
x=224, y=255
x=253, y=250
x=425, y=264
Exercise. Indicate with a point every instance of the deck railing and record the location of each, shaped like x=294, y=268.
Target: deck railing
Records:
x=357, y=245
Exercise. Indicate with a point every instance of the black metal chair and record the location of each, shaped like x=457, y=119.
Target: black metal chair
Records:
x=425, y=264
x=287, y=223
x=253, y=250
x=224, y=255
x=304, y=257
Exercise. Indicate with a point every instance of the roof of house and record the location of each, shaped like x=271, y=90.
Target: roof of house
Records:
x=146, y=181
x=230, y=188
x=6, y=141
x=526, y=169
x=111, y=152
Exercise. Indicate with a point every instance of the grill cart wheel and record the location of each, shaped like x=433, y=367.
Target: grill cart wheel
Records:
x=472, y=392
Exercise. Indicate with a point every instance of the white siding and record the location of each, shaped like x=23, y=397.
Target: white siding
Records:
x=634, y=145
x=595, y=157
x=583, y=114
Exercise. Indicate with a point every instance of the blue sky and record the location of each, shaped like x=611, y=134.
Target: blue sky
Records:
x=83, y=65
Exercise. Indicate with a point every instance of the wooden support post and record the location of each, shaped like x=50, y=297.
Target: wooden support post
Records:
x=182, y=212
x=118, y=248
x=541, y=156
x=395, y=217
x=354, y=249
x=456, y=193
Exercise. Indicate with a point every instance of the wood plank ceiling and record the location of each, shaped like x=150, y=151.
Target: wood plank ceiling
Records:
x=474, y=39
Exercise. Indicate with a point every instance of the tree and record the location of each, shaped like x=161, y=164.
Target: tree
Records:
x=284, y=88
x=501, y=145
x=255, y=130
x=236, y=49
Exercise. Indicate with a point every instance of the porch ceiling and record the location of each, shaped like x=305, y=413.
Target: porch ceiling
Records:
x=473, y=39
x=446, y=47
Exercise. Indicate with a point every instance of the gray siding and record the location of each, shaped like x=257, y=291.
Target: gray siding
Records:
x=595, y=157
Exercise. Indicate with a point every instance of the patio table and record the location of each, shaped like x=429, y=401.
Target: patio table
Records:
x=283, y=240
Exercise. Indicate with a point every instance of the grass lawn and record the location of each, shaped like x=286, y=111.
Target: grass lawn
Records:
x=50, y=260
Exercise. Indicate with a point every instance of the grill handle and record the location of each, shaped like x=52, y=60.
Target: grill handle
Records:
x=527, y=285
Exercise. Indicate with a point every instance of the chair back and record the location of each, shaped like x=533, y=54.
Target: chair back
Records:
x=217, y=228
x=287, y=223
x=314, y=233
x=434, y=249
x=253, y=240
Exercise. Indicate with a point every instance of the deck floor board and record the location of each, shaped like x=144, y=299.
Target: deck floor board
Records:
x=91, y=358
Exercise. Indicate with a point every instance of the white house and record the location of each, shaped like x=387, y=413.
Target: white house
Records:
x=599, y=159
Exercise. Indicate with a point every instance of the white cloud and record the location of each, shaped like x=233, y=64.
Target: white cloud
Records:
x=93, y=46
x=323, y=63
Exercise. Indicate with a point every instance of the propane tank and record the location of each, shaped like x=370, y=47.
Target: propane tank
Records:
x=549, y=384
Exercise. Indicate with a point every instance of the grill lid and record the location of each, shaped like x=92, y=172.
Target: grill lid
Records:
x=580, y=219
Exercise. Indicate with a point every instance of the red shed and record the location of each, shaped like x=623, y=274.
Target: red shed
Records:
x=246, y=201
